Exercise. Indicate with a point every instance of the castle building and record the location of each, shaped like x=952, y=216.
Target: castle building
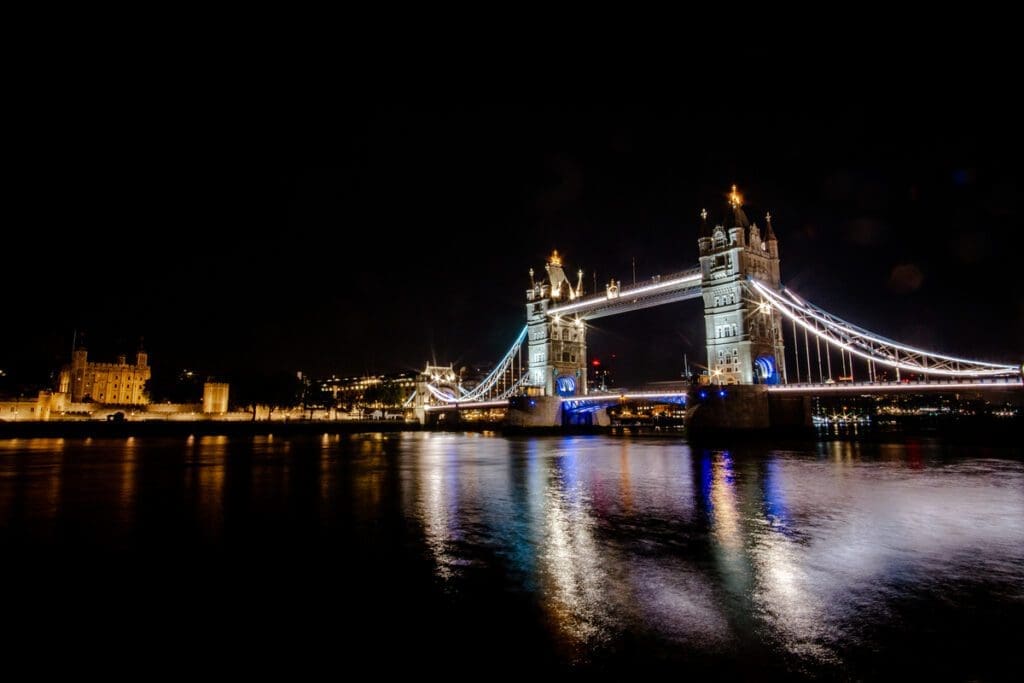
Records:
x=113, y=383
x=744, y=338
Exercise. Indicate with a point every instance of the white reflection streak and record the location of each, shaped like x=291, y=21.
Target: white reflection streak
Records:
x=571, y=562
x=783, y=597
x=438, y=519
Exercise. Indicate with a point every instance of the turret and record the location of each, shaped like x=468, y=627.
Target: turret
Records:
x=141, y=357
x=770, y=239
x=755, y=236
x=704, y=236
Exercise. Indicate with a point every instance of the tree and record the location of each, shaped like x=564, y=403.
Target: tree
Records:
x=275, y=391
x=387, y=393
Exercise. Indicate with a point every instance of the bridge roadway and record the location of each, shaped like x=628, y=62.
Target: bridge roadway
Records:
x=674, y=394
x=677, y=392
x=661, y=289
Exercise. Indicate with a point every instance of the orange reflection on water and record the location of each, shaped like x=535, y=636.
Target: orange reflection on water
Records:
x=204, y=477
x=724, y=513
x=127, y=489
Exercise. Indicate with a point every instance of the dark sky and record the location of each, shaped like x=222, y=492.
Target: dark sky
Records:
x=370, y=238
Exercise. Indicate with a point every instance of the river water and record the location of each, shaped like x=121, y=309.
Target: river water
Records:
x=480, y=554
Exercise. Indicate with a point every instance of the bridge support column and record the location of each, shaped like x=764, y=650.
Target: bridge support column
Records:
x=732, y=408
x=747, y=408
x=420, y=401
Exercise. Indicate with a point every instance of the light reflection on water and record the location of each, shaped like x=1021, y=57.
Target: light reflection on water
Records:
x=798, y=548
x=811, y=555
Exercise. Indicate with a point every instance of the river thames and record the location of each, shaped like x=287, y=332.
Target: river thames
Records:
x=445, y=553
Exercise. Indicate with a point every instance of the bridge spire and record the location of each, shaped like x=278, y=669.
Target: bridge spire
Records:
x=769, y=233
x=739, y=218
x=735, y=199
x=704, y=232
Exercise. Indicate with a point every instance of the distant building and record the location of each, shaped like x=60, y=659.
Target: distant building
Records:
x=215, y=398
x=114, y=383
x=361, y=390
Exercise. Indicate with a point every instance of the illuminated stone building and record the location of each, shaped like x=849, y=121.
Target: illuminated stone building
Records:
x=114, y=383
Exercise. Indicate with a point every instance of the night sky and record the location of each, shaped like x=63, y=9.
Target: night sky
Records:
x=369, y=239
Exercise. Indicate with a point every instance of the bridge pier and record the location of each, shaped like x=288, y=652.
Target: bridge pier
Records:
x=729, y=408
x=746, y=408
x=534, y=411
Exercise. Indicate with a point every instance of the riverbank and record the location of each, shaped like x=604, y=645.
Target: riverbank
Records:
x=96, y=428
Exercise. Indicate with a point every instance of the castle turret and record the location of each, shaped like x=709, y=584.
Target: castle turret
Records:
x=79, y=363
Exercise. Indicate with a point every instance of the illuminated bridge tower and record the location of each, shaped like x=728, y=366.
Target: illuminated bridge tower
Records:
x=556, y=345
x=744, y=340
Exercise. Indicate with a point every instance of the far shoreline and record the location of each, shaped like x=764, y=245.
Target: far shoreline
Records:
x=982, y=432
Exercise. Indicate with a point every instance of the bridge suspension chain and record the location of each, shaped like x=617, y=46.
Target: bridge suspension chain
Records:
x=506, y=377
x=874, y=348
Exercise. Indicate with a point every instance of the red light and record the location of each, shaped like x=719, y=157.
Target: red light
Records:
x=596, y=363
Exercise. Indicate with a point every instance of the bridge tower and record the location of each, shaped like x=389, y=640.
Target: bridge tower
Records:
x=744, y=339
x=556, y=345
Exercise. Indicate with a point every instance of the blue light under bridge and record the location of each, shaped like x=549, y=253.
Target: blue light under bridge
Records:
x=592, y=403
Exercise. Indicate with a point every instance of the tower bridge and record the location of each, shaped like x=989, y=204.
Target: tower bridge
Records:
x=762, y=339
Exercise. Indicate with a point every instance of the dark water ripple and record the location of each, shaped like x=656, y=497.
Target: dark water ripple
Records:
x=451, y=552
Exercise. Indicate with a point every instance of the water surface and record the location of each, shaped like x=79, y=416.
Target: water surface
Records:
x=479, y=553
